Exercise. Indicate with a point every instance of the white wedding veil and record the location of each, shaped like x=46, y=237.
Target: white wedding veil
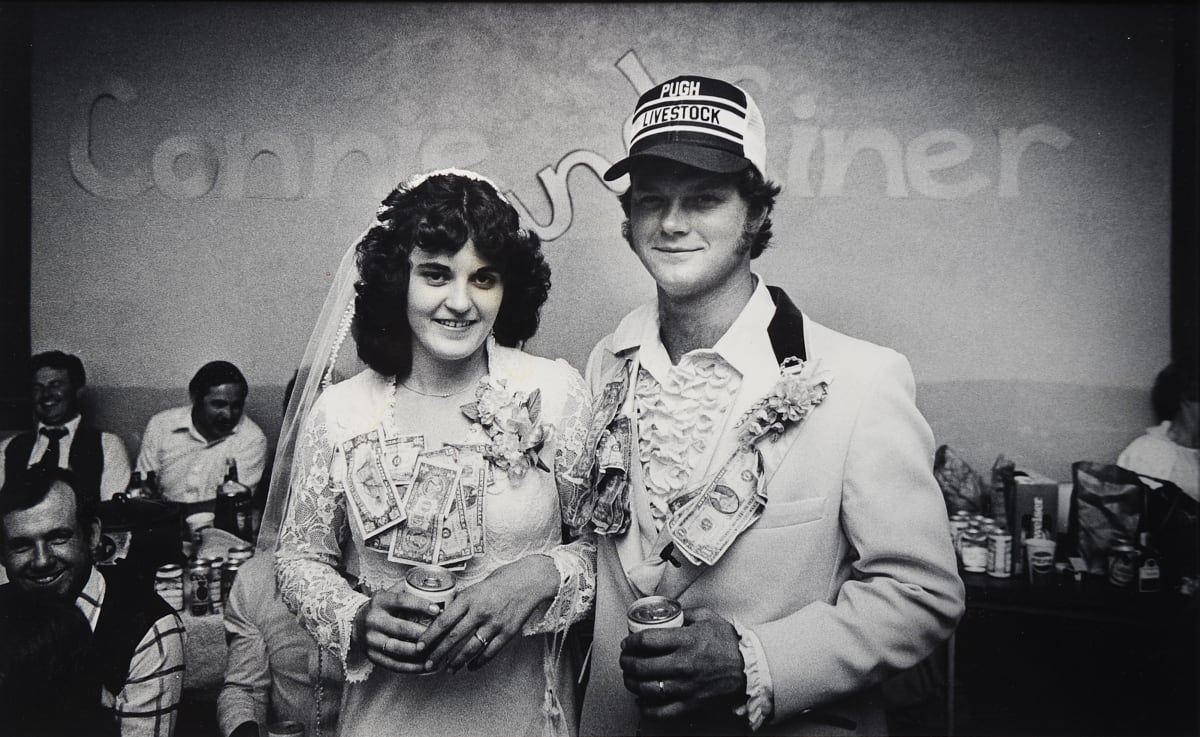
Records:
x=325, y=361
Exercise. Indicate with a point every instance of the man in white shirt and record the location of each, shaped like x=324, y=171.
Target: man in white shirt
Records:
x=48, y=531
x=188, y=446
x=1171, y=449
x=61, y=437
x=771, y=475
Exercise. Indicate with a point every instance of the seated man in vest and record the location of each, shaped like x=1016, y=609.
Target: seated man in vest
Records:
x=189, y=446
x=61, y=438
x=48, y=530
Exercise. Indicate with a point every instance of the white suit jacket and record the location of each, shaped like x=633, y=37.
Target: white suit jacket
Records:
x=849, y=575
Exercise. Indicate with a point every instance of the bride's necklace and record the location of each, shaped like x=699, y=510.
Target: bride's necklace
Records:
x=438, y=395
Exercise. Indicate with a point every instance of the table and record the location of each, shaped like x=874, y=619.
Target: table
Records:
x=1073, y=658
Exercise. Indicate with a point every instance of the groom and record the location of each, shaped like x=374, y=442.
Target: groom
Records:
x=807, y=543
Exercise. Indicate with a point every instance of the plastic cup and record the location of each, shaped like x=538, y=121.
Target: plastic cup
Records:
x=196, y=524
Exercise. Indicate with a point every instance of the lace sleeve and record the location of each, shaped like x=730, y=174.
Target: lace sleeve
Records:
x=309, y=556
x=576, y=560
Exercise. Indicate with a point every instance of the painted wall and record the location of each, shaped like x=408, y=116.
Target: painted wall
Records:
x=983, y=187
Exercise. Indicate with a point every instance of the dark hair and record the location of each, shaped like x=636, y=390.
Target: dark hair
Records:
x=50, y=677
x=1170, y=390
x=215, y=373
x=439, y=215
x=29, y=487
x=62, y=362
x=759, y=194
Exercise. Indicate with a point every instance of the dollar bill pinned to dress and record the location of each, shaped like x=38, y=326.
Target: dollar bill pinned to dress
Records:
x=476, y=479
x=432, y=492
x=414, y=504
x=375, y=500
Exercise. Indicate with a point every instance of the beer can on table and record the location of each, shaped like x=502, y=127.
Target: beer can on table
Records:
x=196, y=588
x=168, y=583
x=433, y=584
x=1122, y=565
x=958, y=523
x=653, y=612
x=216, y=598
x=1000, y=554
x=228, y=574
x=241, y=553
x=974, y=551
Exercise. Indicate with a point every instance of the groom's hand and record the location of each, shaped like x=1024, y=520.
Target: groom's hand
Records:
x=677, y=671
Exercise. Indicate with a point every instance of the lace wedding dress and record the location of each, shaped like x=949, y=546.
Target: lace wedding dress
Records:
x=326, y=571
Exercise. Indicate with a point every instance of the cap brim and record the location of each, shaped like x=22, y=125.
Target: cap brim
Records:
x=700, y=157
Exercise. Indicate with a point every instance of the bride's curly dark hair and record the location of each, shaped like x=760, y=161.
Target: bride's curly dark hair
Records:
x=439, y=215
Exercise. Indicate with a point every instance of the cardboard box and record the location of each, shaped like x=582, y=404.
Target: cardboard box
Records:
x=1032, y=485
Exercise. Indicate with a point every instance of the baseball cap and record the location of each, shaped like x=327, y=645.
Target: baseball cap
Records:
x=699, y=121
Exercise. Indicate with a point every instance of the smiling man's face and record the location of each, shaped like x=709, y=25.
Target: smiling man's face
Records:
x=689, y=228
x=43, y=548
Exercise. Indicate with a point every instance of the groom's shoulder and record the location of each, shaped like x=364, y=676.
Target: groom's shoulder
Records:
x=625, y=336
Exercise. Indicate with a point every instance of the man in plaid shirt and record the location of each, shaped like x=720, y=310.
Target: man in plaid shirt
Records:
x=47, y=534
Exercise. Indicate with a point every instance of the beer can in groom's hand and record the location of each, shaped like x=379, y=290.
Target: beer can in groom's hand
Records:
x=653, y=612
x=431, y=583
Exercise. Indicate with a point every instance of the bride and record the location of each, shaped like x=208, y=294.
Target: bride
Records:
x=452, y=448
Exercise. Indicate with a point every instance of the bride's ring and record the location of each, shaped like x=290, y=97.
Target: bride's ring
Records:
x=481, y=640
x=662, y=689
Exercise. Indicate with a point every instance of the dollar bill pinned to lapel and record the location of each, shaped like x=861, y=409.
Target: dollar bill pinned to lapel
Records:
x=602, y=469
x=374, y=500
x=705, y=522
x=614, y=458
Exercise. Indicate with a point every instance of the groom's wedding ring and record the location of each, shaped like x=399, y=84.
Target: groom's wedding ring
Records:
x=481, y=640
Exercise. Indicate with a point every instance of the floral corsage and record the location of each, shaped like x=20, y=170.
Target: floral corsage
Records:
x=512, y=421
x=802, y=387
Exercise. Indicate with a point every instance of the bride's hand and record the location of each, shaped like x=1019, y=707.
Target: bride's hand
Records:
x=483, y=618
x=389, y=627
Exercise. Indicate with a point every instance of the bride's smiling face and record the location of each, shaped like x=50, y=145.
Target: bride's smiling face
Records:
x=453, y=301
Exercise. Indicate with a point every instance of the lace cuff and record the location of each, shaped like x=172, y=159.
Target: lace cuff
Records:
x=355, y=663
x=576, y=564
x=760, y=702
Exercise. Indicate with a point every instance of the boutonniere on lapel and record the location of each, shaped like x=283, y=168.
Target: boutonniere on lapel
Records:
x=705, y=521
x=512, y=421
x=801, y=387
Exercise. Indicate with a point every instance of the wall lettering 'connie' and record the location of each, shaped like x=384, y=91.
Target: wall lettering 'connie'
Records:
x=938, y=164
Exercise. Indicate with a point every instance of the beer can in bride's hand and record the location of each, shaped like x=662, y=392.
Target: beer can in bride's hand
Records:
x=433, y=584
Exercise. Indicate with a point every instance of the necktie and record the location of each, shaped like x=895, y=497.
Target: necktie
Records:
x=54, y=434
